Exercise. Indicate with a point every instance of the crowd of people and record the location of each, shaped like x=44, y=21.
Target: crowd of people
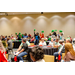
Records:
x=37, y=54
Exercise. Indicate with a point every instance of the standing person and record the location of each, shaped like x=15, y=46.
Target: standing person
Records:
x=37, y=38
x=10, y=46
x=23, y=51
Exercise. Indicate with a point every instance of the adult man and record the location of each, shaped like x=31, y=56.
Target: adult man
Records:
x=9, y=42
x=23, y=51
x=57, y=45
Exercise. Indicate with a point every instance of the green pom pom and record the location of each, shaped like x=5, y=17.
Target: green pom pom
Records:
x=60, y=31
x=42, y=31
x=16, y=33
x=52, y=31
x=22, y=35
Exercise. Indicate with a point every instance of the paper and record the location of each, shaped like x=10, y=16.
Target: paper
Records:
x=16, y=53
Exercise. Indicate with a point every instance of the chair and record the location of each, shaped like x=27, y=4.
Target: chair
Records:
x=49, y=58
x=63, y=54
x=31, y=43
x=6, y=56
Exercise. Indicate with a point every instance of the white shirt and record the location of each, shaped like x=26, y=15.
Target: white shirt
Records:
x=41, y=60
x=44, y=43
x=51, y=43
x=74, y=47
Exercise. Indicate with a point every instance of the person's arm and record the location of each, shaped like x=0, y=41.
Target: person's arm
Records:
x=34, y=33
x=19, y=47
x=21, y=51
x=44, y=43
x=60, y=49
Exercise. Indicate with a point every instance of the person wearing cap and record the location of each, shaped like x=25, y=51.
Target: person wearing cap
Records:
x=42, y=42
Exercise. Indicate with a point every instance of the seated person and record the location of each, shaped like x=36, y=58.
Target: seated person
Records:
x=42, y=42
x=25, y=36
x=50, y=35
x=69, y=51
x=57, y=45
x=51, y=42
x=29, y=35
x=26, y=42
x=23, y=51
x=46, y=38
x=37, y=54
x=32, y=40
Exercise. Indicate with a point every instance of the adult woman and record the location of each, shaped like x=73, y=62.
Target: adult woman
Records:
x=69, y=51
x=42, y=42
x=2, y=53
x=37, y=54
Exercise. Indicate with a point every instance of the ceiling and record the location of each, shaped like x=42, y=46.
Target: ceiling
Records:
x=21, y=13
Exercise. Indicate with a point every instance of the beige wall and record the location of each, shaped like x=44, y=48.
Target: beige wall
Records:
x=47, y=22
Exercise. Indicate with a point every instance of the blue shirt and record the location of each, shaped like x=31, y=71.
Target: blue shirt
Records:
x=25, y=36
x=36, y=37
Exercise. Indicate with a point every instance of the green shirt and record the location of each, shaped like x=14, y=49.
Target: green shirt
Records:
x=57, y=43
x=26, y=42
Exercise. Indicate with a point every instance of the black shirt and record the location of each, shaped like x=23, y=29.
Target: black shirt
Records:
x=25, y=47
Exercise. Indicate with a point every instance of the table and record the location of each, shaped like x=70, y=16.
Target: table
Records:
x=47, y=50
x=16, y=43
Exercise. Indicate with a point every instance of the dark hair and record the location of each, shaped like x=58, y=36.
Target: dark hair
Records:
x=24, y=39
x=8, y=39
x=37, y=52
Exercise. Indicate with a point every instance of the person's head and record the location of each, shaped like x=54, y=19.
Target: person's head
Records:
x=24, y=40
x=5, y=36
x=60, y=41
x=36, y=53
x=8, y=39
x=68, y=40
x=8, y=36
x=37, y=33
x=52, y=39
x=25, y=34
x=49, y=34
x=42, y=39
x=56, y=40
x=73, y=41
